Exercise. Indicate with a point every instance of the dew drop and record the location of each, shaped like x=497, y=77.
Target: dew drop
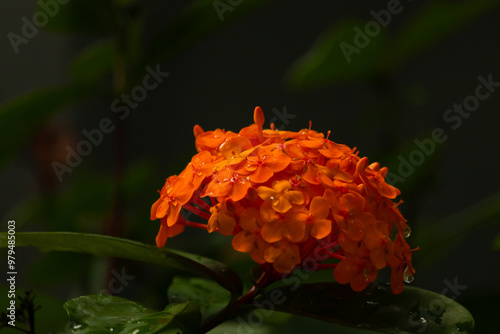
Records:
x=173, y=296
x=408, y=276
x=423, y=320
x=78, y=326
x=407, y=231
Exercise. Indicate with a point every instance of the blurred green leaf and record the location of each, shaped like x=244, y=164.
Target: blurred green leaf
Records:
x=198, y=20
x=80, y=16
x=20, y=117
x=187, y=316
x=46, y=271
x=108, y=314
x=82, y=207
x=404, y=173
x=353, y=50
x=93, y=62
x=342, y=53
x=436, y=21
x=209, y=295
x=437, y=236
x=496, y=243
x=101, y=245
x=376, y=308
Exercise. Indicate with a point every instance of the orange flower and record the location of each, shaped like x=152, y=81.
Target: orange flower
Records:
x=229, y=184
x=348, y=213
x=374, y=180
x=221, y=220
x=380, y=245
x=284, y=256
x=167, y=232
x=262, y=165
x=249, y=239
x=281, y=196
x=286, y=196
x=201, y=166
x=303, y=164
x=283, y=225
x=210, y=140
x=176, y=192
x=357, y=271
x=316, y=223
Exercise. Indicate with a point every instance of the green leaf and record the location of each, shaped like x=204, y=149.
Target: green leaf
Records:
x=187, y=316
x=80, y=16
x=434, y=22
x=198, y=20
x=209, y=295
x=20, y=118
x=438, y=236
x=108, y=314
x=101, y=245
x=405, y=175
x=332, y=59
x=376, y=308
x=94, y=62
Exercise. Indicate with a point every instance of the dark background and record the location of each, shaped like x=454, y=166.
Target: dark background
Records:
x=216, y=83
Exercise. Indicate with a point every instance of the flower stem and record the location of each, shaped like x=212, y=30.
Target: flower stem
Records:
x=231, y=311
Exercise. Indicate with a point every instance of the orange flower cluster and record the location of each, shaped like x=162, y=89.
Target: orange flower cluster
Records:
x=287, y=197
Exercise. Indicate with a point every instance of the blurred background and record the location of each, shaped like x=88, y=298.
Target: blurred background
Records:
x=383, y=76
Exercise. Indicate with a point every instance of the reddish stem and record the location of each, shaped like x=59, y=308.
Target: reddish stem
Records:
x=196, y=225
x=201, y=203
x=196, y=211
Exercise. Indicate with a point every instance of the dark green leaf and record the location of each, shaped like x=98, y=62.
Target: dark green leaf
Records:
x=404, y=174
x=434, y=22
x=20, y=117
x=209, y=295
x=101, y=245
x=376, y=308
x=108, y=314
x=187, y=316
x=94, y=62
x=336, y=57
x=80, y=16
x=438, y=236
x=198, y=20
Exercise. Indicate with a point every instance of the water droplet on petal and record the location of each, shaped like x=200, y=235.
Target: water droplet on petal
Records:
x=407, y=231
x=408, y=276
